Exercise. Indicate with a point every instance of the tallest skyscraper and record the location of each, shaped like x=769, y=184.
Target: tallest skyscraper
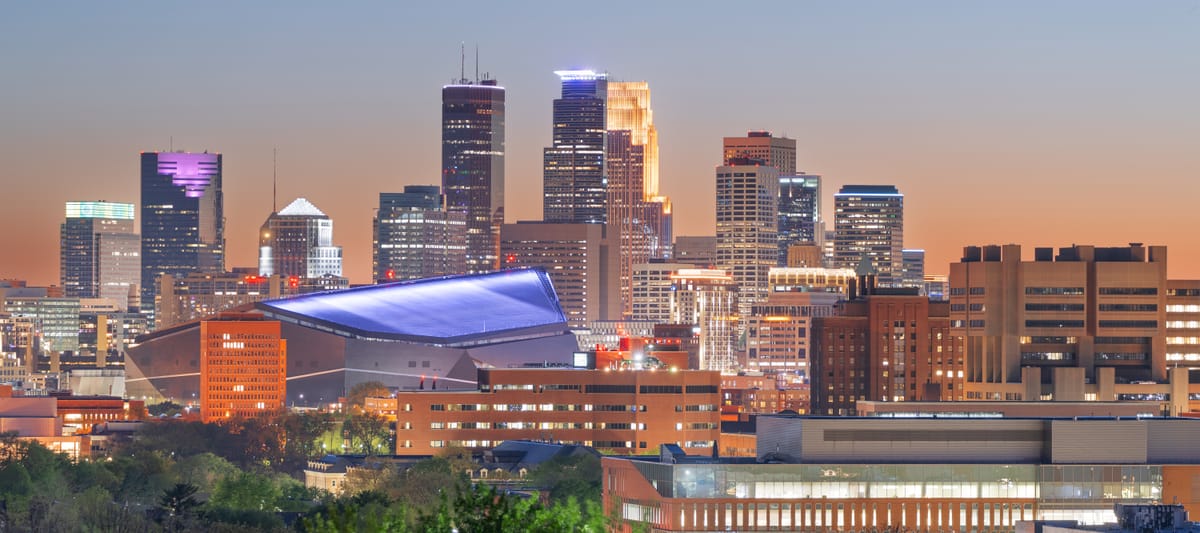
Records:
x=183, y=217
x=574, y=172
x=473, y=165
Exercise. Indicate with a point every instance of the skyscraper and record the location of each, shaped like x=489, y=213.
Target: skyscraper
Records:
x=636, y=214
x=416, y=237
x=298, y=241
x=869, y=221
x=799, y=212
x=473, y=165
x=580, y=260
x=100, y=253
x=183, y=217
x=747, y=218
x=708, y=300
x=779, y=152
x=574, y=174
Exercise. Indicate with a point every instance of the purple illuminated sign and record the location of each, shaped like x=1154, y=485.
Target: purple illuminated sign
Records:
x=193, y=172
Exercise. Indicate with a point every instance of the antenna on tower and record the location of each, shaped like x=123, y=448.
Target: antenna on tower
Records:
x=476, y=62
x=172, y=149
x=462, y=64
x=274, y=178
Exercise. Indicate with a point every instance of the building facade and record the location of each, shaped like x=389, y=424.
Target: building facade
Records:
x=708, y=301
x=778, y=152
x=298, y=241
x=195, y=296
x=799, y=214
x=183, y=217
x=101, y=252
x=574, y=173
x=892, y=345
x=697, y=250
x=651, y=291
x=868, y=222
x=616, y=411
x=243, y=367
x=416, y=237
x=747, y=222
x=581, y=260
x=779, y=334
x=1087, y=308
x=473, y=166
x=921, y=475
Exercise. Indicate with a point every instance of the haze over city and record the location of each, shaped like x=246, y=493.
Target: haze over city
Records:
x=1038, y=123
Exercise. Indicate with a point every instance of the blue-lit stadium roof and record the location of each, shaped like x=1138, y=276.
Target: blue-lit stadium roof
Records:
x=435, y=310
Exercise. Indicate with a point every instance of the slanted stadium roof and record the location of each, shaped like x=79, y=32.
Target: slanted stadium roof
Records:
x=435, y=310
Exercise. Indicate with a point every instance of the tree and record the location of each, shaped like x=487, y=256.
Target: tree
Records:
x=246, y=491
x=367, y=432
x=179, y=500
x=359, y=393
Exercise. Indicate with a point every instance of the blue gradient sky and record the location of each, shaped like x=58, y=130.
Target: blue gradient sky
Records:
x=1039, y=123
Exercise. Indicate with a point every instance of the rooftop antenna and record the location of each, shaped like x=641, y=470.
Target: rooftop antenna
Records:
x=172, y=149
x=462, y=64
x=476, y=62
x=274, y=177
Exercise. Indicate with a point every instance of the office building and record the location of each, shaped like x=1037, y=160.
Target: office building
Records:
x=869, y=222
x=101, y=252
x=637, y=216
x=912, y=269
x=581, y=260
x=183, y=217
x=106, y=332
x=393, y=333
x=808, y=279
x=651, y=291
x=473, y=166
x=748, y=394
x=884, y=345
x=695, y=250
x=298, y=241
x=799, y=214
x=747, y=221
x=778, y=152
x=708, y=301
x=937, y=287
x=616, y=411
x=1183, y=324
x=1086, y=308
x=778, y=334
x=194, y=296
x=243, y=367
x=54, y=322
x=574, y=174
x=922, y=475
x=415, y=237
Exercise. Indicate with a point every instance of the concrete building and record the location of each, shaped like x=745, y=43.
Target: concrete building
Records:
x=243, y=367
x=1183, y=324
x=416, y=237
x=581, y=260
x=651, y=290
x=810, y=279
x=1003, y=409
x=187, y=298
x=779, y=334
x=747, y=220
x=298, y=241
x=868, y=221
x=708, y=301
x=473, y=166
x=695, y=250
x=617, y=411
x=1084, y=310
x=778, y=152
x=921, y=475
x=100, y=252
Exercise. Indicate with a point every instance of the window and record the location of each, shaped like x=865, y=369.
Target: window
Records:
x=1129, y=323
x=1129, y=307
x=1054, y=323
x=1054, y=307
x=1054, y=291
x=1128, y=291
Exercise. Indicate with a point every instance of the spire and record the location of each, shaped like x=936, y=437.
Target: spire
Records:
x=274, y=179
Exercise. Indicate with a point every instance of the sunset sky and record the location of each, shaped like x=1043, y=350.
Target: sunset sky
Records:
x=1037, y=123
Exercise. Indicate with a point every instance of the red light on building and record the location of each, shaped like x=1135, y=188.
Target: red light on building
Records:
x=390, y=274
x=293, y=281
x=510, y=258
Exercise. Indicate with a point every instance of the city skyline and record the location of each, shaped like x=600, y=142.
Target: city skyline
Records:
x=1038, y=126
